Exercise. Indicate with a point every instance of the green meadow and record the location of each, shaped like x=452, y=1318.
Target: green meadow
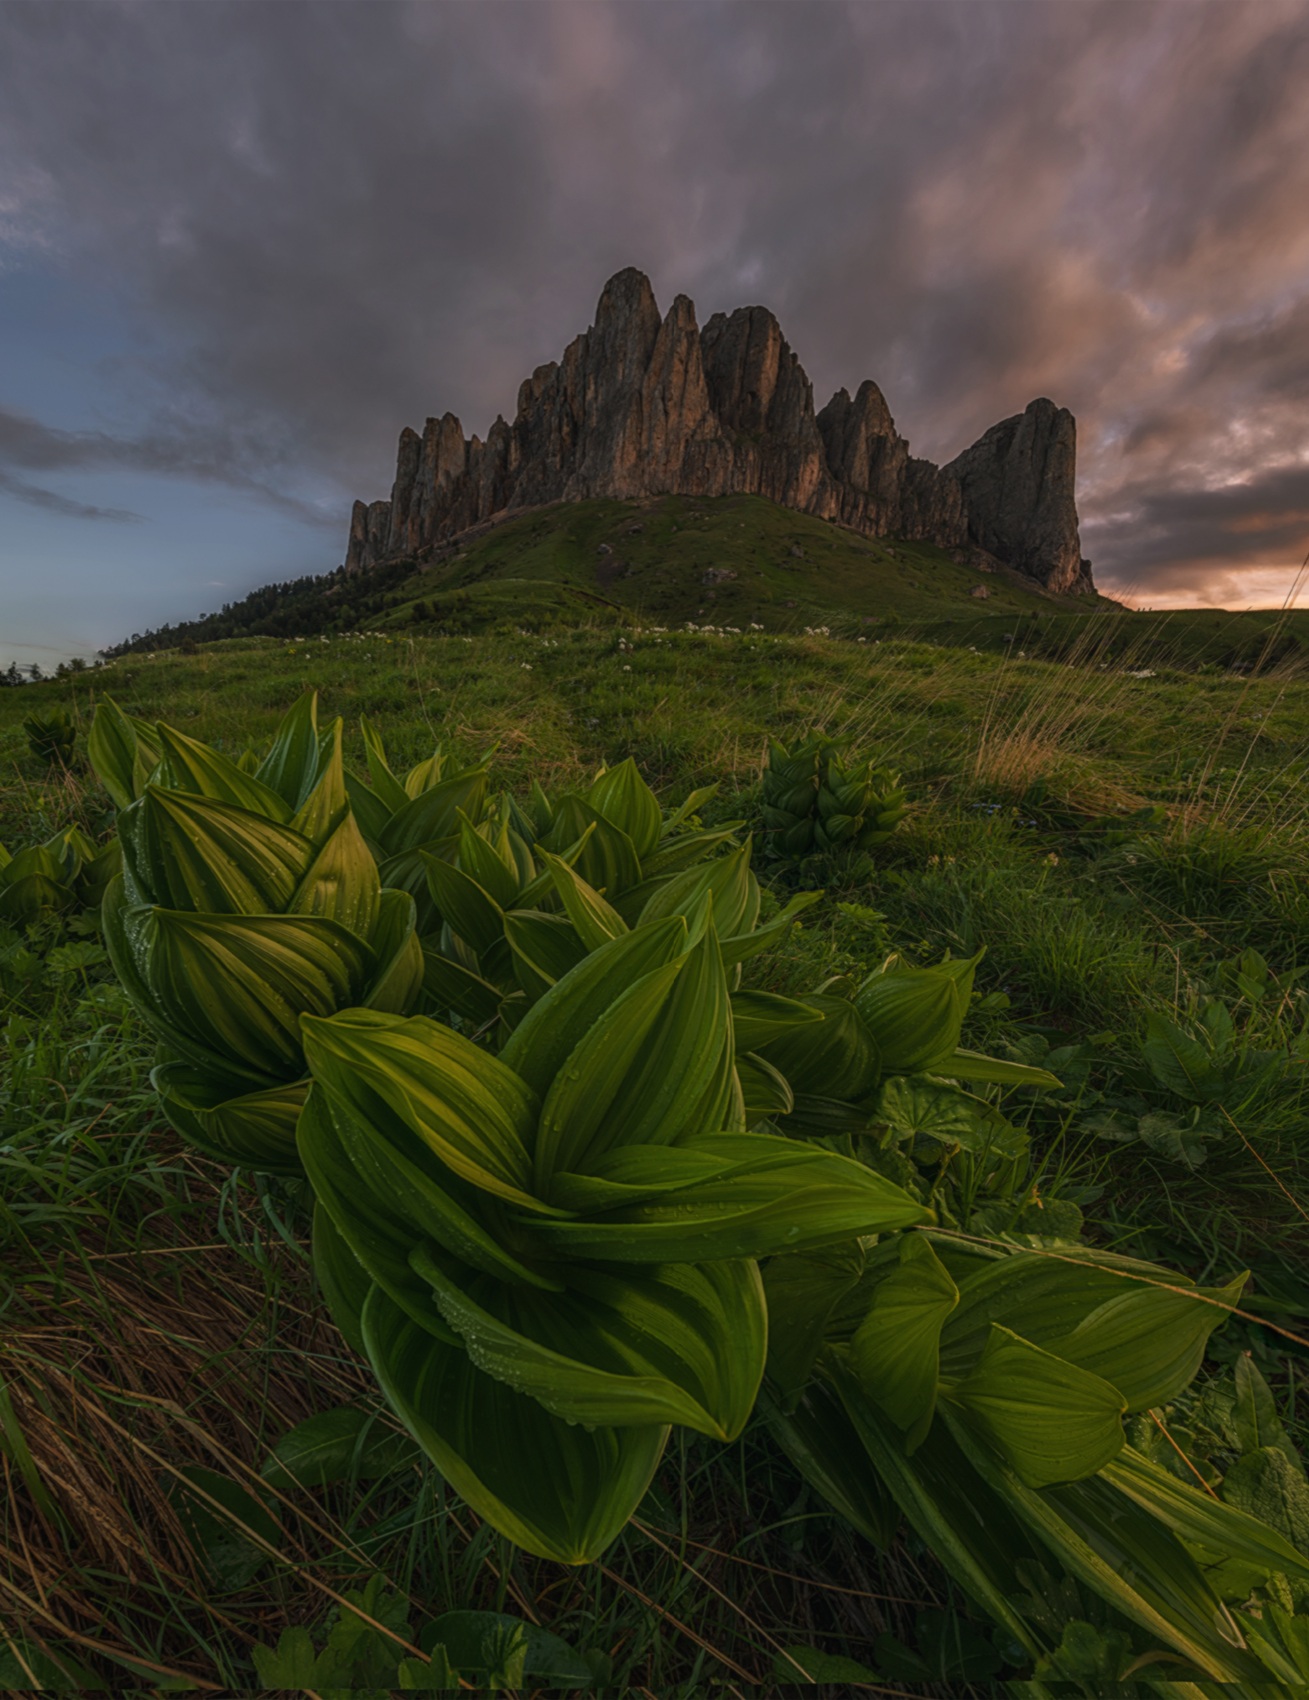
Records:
x=1112, y=807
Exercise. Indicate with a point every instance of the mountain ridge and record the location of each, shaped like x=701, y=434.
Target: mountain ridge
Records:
x=643, y=404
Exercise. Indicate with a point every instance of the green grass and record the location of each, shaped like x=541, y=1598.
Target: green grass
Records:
x=1115, y=841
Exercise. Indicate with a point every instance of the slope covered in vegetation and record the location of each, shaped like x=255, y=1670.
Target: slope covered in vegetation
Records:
x=1127, y=843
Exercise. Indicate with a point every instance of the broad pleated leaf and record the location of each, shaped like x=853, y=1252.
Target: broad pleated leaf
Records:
x=469, y=909
x=555, y=1488
x=328, y=802
x=672, y=1343
x=623, y=797
x=187, y=852
x=343, y=1279
x=465, y=1105
x=1129, y=1558
x=1202, y=1521
x=434, y=814
x=834, y=1059
x=779, y=1196
x=741, y=946
x=759, y=1017
x=239, y=984
x=694, y=802
x=764, y=1089
x=1052, y=1421
x=481, y=862
x=896, y=1350
x=967, y=1525
x=682, y=850
x=608, y=860
x=342, y=883
x=394, y=941
x=1134, y=1325
x=376, y=1235
x=31, y=895
x=188, y=765
x=129, y=933
x=250, y=1129
x=113, y=745
x=424, y=775
x=1149, y=1341
x=409, y=1182
x=447, y=984
x=728, y=879
x=646, y=1072
x=914, y=1014
x=820, y=1440
x=630, y=1174
x=993, y=1071
x=291, y=766
x=558, y=1023
x=390, y=792
x=544, y=948
x=595, y=921
x=369, y=810
x=803, y=1289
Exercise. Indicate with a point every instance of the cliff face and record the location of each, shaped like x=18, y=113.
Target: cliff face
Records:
x=643, y=406
x=1017, y=484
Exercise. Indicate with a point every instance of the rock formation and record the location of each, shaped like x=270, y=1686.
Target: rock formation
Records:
x=1017, y=484
x=643, y=406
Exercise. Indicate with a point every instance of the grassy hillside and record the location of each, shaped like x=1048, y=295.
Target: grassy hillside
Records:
x=726, y=561
x=734, y=561
x=1118, y=833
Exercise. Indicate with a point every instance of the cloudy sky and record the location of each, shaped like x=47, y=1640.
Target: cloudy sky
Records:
x=242, y=245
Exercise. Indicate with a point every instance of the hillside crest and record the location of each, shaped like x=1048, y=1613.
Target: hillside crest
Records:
x=645, y=405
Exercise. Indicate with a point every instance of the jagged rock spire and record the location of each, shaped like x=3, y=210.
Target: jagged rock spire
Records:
x=643, y=406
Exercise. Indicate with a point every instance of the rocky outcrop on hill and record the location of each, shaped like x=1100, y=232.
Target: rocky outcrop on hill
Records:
x=1017, y=485
x=643, y=406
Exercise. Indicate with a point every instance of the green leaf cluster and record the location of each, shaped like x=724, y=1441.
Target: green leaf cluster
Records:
x=595, y=1188
x=816, y=802
x=67, y=872
x=372, y=1647
x=549, y=1256
x=52, y=737
x=519, y=902
x=246, y=900
x=981, y=1394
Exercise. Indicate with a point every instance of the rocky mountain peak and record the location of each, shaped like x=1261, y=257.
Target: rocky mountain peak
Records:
x=643, y=405
x=1017, y=482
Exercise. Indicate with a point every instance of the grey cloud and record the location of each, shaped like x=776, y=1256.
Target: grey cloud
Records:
x=182, y=450
x=1265, y=520
x=34, y=496
x=337, y=218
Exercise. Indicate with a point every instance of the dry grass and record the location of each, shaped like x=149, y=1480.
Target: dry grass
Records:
x=1037, y=722
x=124, y=1368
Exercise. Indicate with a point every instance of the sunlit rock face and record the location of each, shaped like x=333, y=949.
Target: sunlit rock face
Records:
x=643, y=405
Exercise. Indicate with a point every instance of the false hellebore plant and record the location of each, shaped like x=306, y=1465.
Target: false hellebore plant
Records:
x=549, y=1256
x=980, y=1393
x=515, y=917
x=813, y=802
x=245, y=901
